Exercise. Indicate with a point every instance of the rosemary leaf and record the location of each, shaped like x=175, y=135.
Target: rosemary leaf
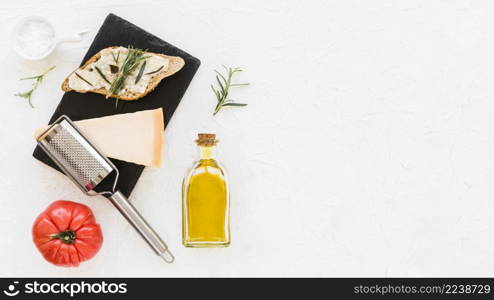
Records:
x=26, y=95
x=141, y=71
x=221, y=84
x=102, y=75
x=155, y=71
x=234, y=104
x=29, y=78
x=39, y=77
x=115, y=59
x=216, y=93
x=221, y=75
x=83, y=79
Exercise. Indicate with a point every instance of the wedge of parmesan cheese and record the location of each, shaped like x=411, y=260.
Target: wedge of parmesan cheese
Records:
x=133, y=137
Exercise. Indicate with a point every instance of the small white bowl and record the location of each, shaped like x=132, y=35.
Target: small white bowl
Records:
x=19, y=41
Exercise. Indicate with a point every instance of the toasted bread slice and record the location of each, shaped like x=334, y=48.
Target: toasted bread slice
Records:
x=175, y=63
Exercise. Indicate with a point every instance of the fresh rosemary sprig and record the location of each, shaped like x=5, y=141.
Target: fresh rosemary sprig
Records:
x=225, y=83
x=132, y=60
x=37, y=81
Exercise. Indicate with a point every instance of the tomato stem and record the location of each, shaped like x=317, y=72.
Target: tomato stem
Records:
x=68, y=236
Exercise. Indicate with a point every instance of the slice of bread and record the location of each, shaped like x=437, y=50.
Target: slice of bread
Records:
x=175, y=63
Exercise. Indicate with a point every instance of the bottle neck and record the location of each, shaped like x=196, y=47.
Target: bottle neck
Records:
x=207, y=152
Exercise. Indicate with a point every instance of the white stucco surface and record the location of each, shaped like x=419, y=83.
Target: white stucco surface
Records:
x=366, y=148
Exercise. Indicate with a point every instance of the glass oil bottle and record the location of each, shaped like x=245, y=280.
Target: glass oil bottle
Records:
x=205, y=199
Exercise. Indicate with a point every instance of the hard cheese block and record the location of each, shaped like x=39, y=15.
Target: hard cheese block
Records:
x=133, y=137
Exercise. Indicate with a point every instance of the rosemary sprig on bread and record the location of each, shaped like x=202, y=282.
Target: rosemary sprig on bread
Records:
x=123, y=73
x=132, y=60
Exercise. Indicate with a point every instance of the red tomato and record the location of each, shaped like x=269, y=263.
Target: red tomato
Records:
x=66, y=234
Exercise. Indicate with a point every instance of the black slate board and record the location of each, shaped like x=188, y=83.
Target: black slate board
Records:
x=116, y=31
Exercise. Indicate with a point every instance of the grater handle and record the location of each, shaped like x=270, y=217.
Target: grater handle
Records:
x=137, y=221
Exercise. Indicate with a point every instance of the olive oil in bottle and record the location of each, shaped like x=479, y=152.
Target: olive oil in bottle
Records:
x=205, y=200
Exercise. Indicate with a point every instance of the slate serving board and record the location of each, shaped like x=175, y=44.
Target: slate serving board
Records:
x=116, y=31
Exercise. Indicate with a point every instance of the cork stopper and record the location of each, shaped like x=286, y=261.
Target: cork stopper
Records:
x=206, y=139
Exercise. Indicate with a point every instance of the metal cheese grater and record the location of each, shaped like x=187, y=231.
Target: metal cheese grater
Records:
x=87, y=167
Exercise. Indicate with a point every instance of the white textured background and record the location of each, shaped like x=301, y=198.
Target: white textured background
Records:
x=366, y=148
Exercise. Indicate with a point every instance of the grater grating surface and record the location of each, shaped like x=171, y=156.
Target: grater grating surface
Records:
x=79, y=159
